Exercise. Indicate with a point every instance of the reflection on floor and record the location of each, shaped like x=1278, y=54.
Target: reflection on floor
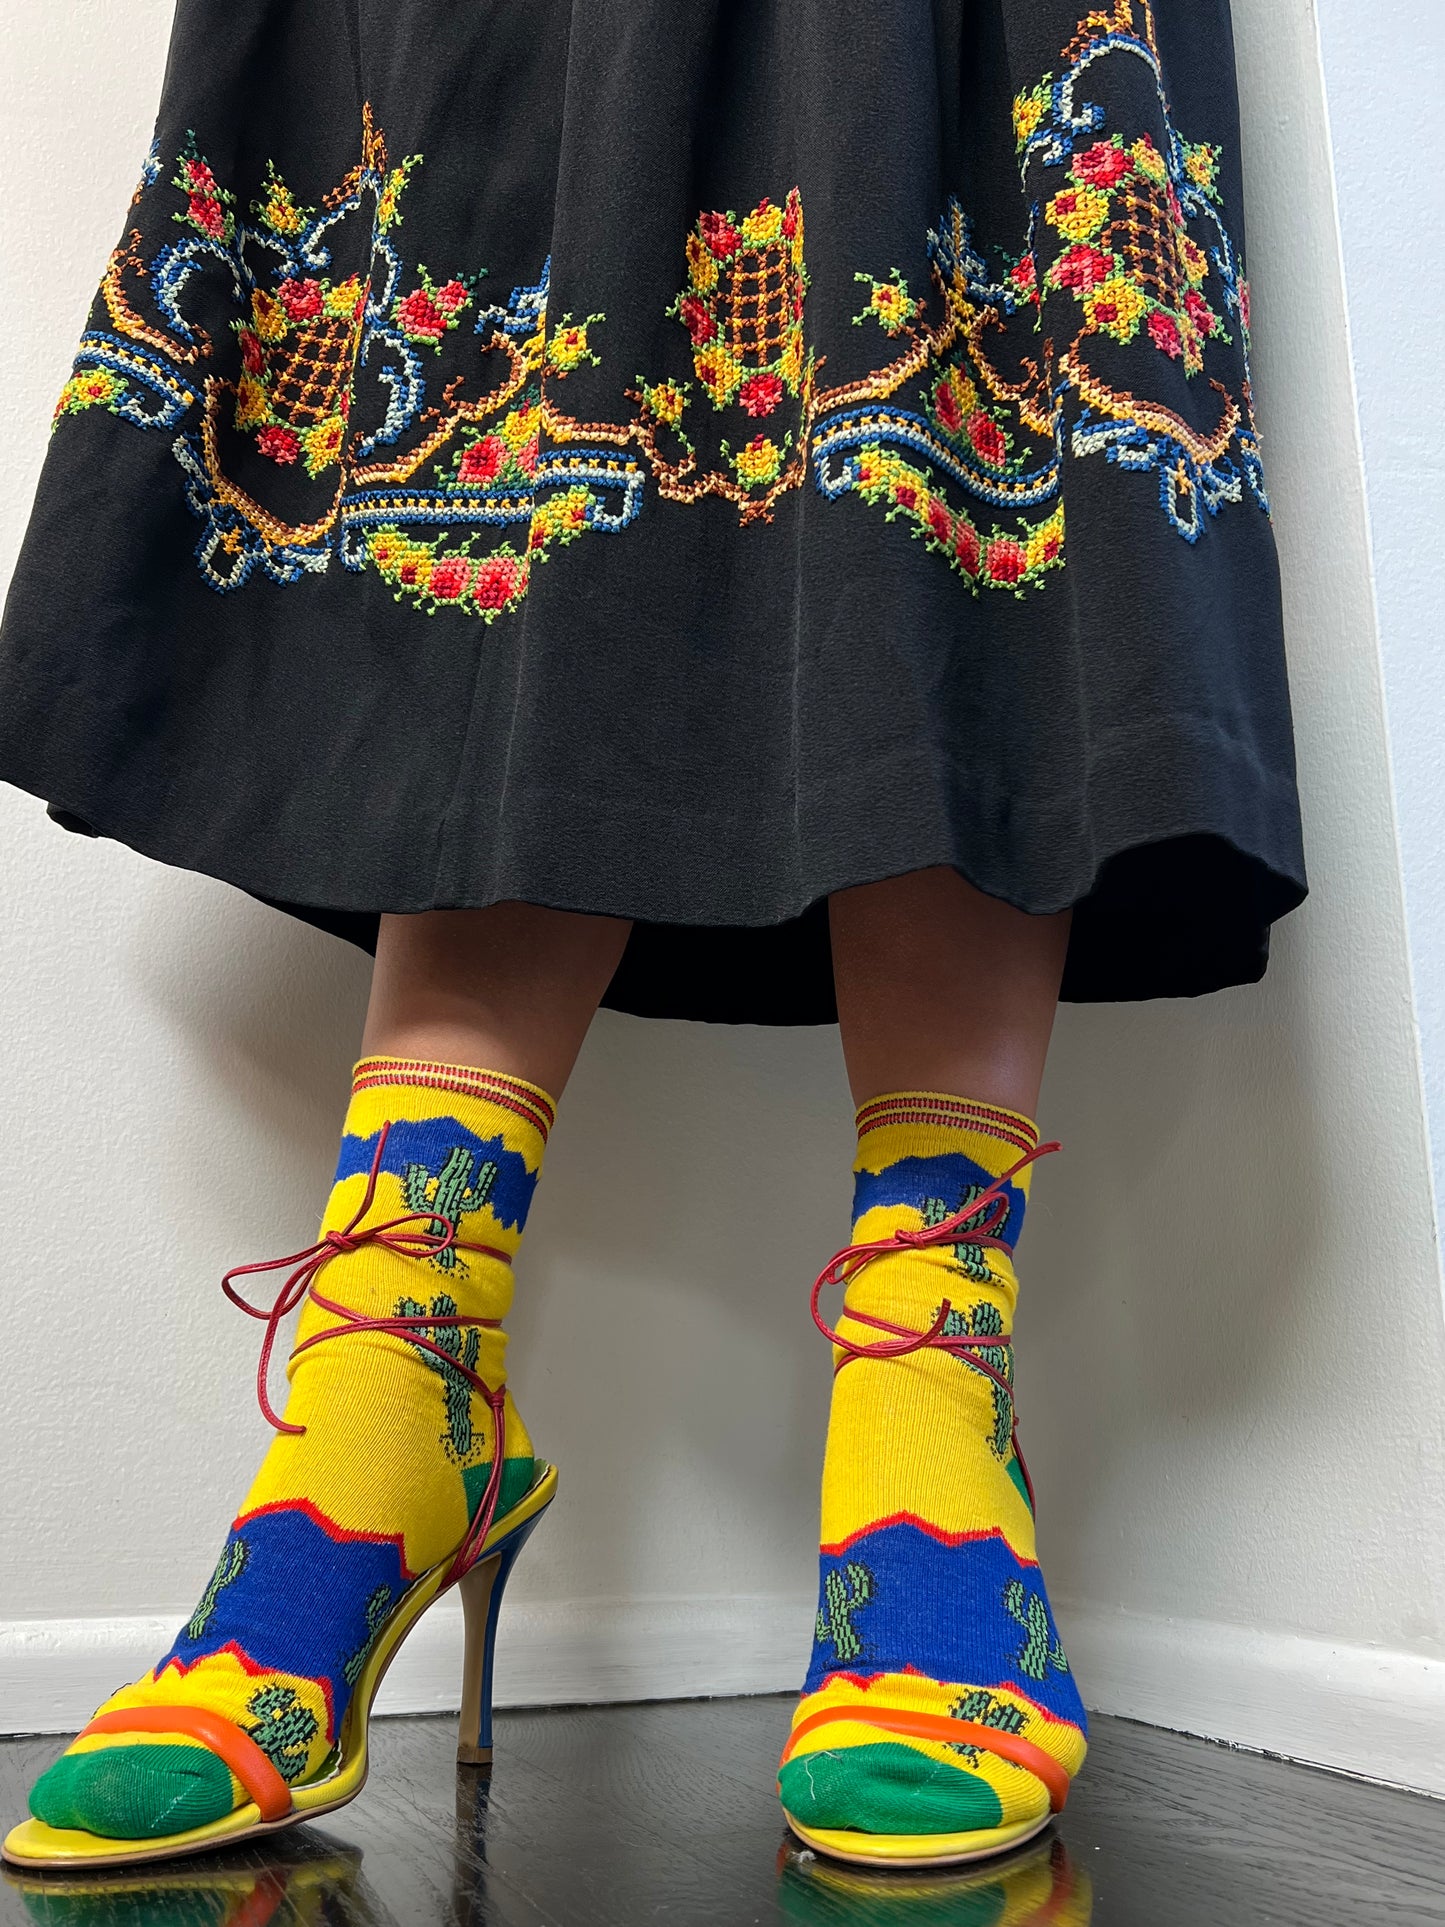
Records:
x=618, y=1816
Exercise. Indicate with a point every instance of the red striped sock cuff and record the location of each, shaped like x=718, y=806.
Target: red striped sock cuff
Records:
x=956, y=1113
x=528, y=1101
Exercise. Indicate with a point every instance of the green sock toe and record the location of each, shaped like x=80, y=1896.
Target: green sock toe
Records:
x=134, y=1792
x=886, y=1789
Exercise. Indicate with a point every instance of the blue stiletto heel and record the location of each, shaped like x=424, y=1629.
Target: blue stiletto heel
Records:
x=481, y=1590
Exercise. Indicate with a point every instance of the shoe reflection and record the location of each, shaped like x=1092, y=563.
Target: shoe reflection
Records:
x=1036, y=1887
x=309, y=1882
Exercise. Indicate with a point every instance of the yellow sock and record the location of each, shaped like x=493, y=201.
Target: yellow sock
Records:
x=384, y=1479
x=931, y=1600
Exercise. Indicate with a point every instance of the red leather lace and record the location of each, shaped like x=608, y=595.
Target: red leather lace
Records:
x=419, y=1241
x=977, y=1224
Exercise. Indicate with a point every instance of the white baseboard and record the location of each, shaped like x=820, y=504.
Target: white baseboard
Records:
x=1360, y=1710
x=53, y=1673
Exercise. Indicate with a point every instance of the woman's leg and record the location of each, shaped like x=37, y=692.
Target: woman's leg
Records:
x=475, y=1017
x=941, y=988
x=513, y=987
x=931, y=1605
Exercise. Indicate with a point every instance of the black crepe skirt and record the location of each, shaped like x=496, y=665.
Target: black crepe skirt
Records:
x=677, y=459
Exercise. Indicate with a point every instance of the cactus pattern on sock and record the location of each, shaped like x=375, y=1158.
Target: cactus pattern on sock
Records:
x=283, y=1728
x=229, y=1567
x=845, y=1594
x=923, y=1493
x=379, y=1479
x=377, y=1608
x=451, y=1192
x=464, y=1346
x=1041, y=1648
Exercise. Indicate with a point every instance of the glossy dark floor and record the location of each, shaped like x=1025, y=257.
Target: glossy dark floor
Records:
x=619, y=1816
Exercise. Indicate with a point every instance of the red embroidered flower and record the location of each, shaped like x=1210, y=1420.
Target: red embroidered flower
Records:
x=696, y=319
x=720, y=234
x=905, y=495
x=1164, y=333
x=208, y=214
x=792, y=214
x=1024, y=274
x=1200, y=312
x=449, y=577
x=418, y=315
x=1102, y=165
x=760, y=394
x=1082, y=268
x=987, y=438
x=253, y=358
x=1244, y=302
x=300, y=299
x=945, y=403
x=940, y=522
x=1007, y=560
x=528, y=454
x=279, y=444
x=483, y=462
x=199, y=178
x=498, y=579
x=966, y=547
x=1174, y=208
x=451, y=296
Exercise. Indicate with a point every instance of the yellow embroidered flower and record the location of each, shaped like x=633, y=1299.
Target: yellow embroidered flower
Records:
x=1046, y=542
x=569, y=346
x=279, y=211
x=765, y=223
x=520, y=426
x=92, y=388
x=1193, y=260
x=321, y=444
x=1116, y=306
x=1029, y=110
x=1149, y=161
x=399, y=559
x=387, y=211
x=892, y=305
x=759, y=462
x=267, y=315
x=790, y=366
x=252, y=407
x=1078, y=212
x=719, y=372
x=344, y=298
x=558, y=519
x=793, y=226
x=1201, y=164
x=666, y=402
x=701, y=265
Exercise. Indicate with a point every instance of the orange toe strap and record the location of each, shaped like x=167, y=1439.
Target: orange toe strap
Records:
x=229, y=1744
x=950, y=1732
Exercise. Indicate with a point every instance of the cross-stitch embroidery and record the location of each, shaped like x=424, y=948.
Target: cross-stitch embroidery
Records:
x=959, y=434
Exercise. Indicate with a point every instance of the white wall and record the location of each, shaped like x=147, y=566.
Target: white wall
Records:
x=1233, y=1370
x=1391, y=194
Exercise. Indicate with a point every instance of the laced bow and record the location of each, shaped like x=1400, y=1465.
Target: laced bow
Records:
x=977, y=1223
x=412, y=1235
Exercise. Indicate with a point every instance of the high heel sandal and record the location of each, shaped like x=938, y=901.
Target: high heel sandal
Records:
x=982, y=1217
x=479, y=1568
